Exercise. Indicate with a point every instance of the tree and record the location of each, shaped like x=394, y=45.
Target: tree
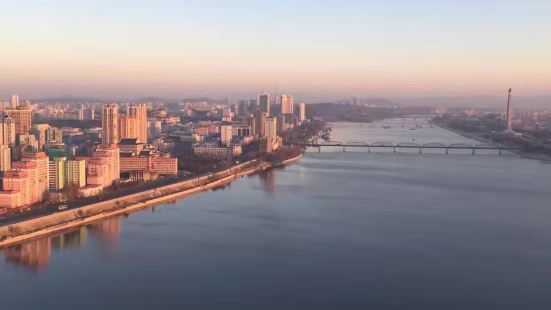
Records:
x=70, y=191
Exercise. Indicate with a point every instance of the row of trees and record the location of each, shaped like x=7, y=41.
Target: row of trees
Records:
x=303, y=133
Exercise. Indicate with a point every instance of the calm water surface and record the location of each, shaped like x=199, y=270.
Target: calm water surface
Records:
x=334, y=231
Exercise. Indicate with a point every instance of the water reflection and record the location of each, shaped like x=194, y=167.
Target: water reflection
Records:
x=107, y=232
x=268, y=180
x=70, y=240
x=36, y=254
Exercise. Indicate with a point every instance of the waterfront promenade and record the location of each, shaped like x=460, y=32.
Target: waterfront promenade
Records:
x=70, y=219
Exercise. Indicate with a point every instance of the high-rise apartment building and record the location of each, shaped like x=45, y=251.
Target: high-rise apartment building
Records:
x=287, y=104
x=88, y=114
x=270, y=141
x=22, y=118
x=80, y=113
x=5, y=158
x=109, y=124
x=243, y=107
x=226, y=134
x=40, y=159
x=75, y=172
x=104, y=166
x=15, y=189
x=302, y=112
x=155, y=127
x=39, y=131
x=227, y=114
x=253, y=106
x=128, y=126
x=56, y=173
x=271, y=127
x=27, y=182
x=260, y=123
x=251, y=121
x=53, y=135
x=264, y=102
x=14, y=101
x=140, y=112
x=7, y=130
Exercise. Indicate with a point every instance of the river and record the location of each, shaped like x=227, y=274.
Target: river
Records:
x=334, y=231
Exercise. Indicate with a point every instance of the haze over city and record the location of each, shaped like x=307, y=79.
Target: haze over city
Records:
x=227, y=154
x=319, y=50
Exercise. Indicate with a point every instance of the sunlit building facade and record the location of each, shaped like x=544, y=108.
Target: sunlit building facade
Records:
x=110, y=124
x=22, y=118
x=139, y=111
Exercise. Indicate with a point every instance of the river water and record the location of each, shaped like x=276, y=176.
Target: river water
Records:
x=334, y=231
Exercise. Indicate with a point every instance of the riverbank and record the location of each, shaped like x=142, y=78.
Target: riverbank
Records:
x=477, y=137
x=468, y=135
x=71, y=219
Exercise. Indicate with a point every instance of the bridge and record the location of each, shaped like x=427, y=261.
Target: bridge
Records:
x=410, y=145
x=397, y=124
x=417, y=121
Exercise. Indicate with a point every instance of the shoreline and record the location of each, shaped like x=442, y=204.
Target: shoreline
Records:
x=475, y=137
x=62, y=221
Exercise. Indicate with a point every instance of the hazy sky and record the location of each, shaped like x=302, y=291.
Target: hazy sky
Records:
x=319, y=48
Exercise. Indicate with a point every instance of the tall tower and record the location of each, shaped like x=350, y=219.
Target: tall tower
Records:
x=264, y=102
x=260, y=123
x=80, y=115
x=14, y=101
x=109, y=124
x=5, y=158
x=270, y=127
x=302, y=112
x=287, y=104
x=243, y=107
x=7, y=130
x=509, y=111
x=128, y=126
x=140, y=112
x=253, y=106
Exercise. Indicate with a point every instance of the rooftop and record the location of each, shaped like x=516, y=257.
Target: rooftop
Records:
x=129, y=141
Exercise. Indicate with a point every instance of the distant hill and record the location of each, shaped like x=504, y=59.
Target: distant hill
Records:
x=72, y=99
x=520, y=102
x=338, y=112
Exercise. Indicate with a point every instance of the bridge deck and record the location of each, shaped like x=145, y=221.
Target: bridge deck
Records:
x=451, y=147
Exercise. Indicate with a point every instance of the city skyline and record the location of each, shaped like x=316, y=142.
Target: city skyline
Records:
x=311, y=49
x=213, y=154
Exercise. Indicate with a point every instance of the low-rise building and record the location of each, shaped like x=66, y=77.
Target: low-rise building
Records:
x=147, y=161
x=217, y=152
x=27, y=183
x=103, y=169
x=132, y=145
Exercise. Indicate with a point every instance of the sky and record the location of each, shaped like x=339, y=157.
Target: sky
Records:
x=316, y=49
